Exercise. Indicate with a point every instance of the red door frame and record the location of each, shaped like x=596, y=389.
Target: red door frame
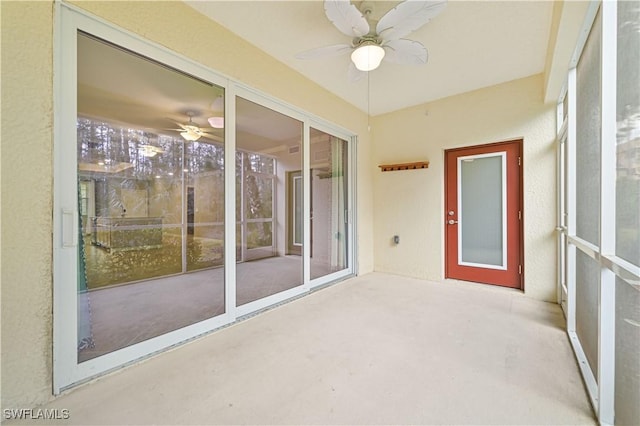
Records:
x=514, y=275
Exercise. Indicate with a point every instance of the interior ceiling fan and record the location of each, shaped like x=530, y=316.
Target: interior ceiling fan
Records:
x=374, y=41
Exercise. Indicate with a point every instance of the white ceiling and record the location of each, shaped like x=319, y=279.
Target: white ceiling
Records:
x=471, y=44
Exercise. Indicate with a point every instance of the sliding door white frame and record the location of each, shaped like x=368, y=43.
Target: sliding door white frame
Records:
x=351, y=175
x=68, y=371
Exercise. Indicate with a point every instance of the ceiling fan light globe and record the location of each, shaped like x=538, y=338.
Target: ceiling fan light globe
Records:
x=190, y=136
x=216, y=122
x=367, y=57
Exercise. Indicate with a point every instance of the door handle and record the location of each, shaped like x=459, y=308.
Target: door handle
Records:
x=452, y=222
x=69, y=228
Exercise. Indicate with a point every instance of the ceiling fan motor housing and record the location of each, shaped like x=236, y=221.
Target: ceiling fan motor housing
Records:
x=368, y=39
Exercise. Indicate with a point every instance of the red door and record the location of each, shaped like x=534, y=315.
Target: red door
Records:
x=483, y=214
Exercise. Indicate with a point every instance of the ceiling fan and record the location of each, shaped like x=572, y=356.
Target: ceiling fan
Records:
x=374, y=41
x=190, y=131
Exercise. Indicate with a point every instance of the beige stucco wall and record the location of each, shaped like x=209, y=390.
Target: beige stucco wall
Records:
x=27, y=108
x=26, y=155
x=411, y=203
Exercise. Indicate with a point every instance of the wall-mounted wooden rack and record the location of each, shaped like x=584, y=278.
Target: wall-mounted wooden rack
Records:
x=404, y=166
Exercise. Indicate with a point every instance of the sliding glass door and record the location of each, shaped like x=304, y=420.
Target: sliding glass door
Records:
x=151, y=199
x=183, y=200
x=329, y=171
x=269, y=148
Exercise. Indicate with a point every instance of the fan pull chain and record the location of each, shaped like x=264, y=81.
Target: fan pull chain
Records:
x=368, y=102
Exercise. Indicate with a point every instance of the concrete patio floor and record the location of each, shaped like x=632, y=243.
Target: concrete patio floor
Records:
x=375, y=349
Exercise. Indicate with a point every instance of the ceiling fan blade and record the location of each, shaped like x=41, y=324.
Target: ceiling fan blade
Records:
x=176, y=130
x=408, y=16
x=346, y=17
x=212, y=137
x=354, y=73
x=181, y=127
x=325, y=52
x=405, y=52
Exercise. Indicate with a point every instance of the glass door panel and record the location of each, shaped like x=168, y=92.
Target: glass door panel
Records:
x=150, y=198
x=329, y=183
x=204, y=176
x=481, y=211
x=269, y=150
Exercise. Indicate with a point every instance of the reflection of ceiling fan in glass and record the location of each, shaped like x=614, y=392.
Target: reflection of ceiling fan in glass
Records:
x=192, y=132
x=149, y=150
x=374, y=41
x=217, y=120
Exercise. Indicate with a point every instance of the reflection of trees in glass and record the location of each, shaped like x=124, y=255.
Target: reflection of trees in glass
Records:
x=205, y=166
x=260, y=163
x=117, y=157
x=259, y=197
x=126, y=162
x=259, y=235
x=255, y=177
x=119, y=148
x=113, y=145
x=258, y=180
x=204, y=157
